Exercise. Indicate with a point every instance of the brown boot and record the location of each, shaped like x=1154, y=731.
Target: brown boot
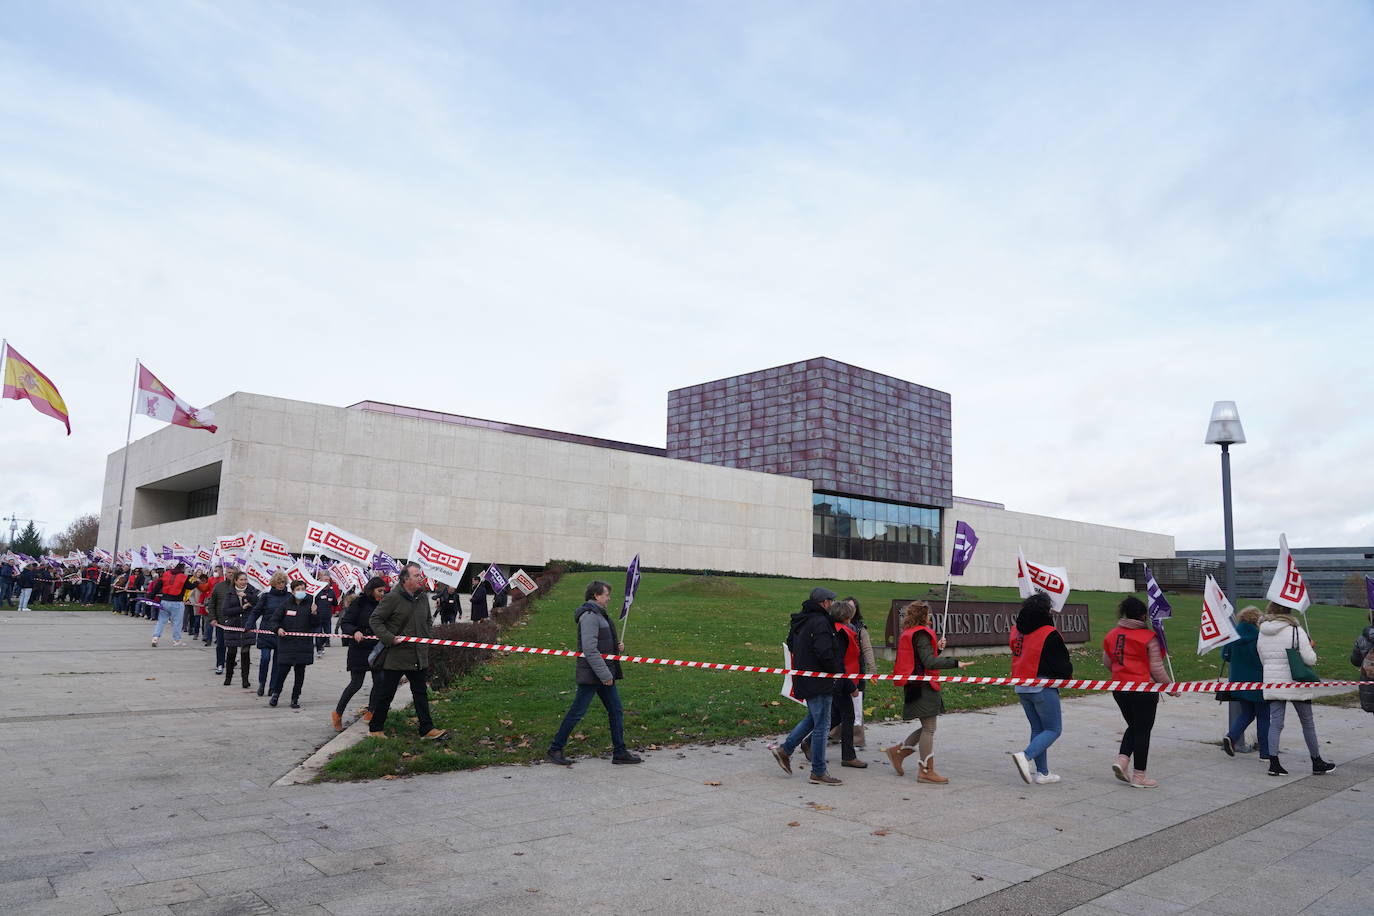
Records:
x=897, y=754
x=928, y=773
x=336, y=720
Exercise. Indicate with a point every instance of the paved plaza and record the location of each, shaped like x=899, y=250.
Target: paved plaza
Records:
x=136, y=783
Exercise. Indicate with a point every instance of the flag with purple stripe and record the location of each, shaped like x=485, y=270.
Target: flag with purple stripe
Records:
x=964, y=543
x=384, y=563
x=496, y=579
x=1369, y=591
x=1159, y=608
x=631, y=584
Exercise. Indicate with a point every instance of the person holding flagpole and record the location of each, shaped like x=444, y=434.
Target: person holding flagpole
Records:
x=918, y=652
x=1281, y=636
x=1131, y=651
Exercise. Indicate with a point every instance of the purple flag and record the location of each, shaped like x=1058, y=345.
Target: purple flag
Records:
x=1159, y=608
x=964, y=543
x=631, y=584
x=384, y=563
x=496, y=579
x=1369, y=590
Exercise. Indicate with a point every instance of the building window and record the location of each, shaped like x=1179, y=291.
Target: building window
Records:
x=853, y=528
x=202, y=502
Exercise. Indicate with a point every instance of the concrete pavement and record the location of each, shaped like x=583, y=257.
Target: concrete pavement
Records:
x=135, y=783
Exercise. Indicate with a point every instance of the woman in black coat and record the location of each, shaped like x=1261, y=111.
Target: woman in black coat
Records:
x=297, y=615
x=479, y=601
x=354, y=628
x=231, y=610
x=260, y=618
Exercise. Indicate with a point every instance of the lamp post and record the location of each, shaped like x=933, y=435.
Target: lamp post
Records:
x=1225, y=430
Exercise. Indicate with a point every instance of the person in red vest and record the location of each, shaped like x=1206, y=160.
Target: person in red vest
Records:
x=1038, y=650
x=171, y=586
x=1132, y=652
x=918, y=652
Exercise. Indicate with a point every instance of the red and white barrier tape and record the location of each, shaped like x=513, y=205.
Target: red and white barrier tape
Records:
x=1065, y=683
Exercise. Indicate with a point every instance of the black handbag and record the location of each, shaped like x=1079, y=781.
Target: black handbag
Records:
x=377, y=657
x=1223, y=696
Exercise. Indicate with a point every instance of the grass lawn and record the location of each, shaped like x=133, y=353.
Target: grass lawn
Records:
x=67, y=607
x=506, y=711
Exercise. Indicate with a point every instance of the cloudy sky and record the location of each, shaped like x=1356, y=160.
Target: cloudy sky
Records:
x=1085, y=221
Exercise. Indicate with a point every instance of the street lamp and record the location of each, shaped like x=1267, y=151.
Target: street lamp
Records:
x=1225, y=430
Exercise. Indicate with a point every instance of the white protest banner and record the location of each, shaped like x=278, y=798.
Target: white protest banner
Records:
x=299, y=571
x=1034, y=577
x=521, y=582
x=437, y=560
x=787, y=678
x=258, y=576
x=1216, y=627
x=1288, y=587
x=331, y=541
x=204, y=557
x=272, y=549
x=231, y=545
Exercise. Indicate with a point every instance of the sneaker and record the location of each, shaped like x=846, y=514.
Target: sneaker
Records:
x=626, y=758
x=435, y=734
x=154, y=642
x=1141, y=781
x=1045, y=779
x=1228, y=746
x=783, y=758
x=376, y=734
x=1119, y=768
x=1022, y=766
x=178, y=644
x=1321, y=767
x=219, y=669
x=824, y=779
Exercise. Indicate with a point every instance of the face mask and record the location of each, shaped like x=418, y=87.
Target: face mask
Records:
x=300, y=594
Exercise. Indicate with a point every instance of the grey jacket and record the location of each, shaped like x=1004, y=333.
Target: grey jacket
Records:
x=595, y=638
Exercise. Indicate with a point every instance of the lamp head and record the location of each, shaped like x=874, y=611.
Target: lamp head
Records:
x=1225, y=428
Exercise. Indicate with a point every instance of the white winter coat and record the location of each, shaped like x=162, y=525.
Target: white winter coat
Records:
x=1275, y=639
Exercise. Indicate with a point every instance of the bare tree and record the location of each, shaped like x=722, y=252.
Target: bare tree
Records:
x=1353, y=593
x=79, y=535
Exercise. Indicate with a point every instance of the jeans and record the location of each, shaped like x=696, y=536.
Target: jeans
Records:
x=6, y=590
x=87, y=591
x=610, y=698
x=170, y=613
x=119, y=601
x=817, y=722
x=267, y=666
x=1309, y=725
x=24, y=594
x=1046, y=725
x=385, y=692
x=1251, y=711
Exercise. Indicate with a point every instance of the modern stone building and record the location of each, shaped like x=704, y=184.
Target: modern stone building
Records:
x=816, y=469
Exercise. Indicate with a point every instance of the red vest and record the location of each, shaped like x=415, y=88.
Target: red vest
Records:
x=906, y=653
x=1025, y=651
x=851, y=647
x=1125, y=646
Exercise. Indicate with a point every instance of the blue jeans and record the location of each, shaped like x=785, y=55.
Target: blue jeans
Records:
x=610, y=698
x=6, y=590
x=817, y=722
x=1251, y=711
x=267, y=667
x=1046, y=724
x=170, y=612
x=87, y=591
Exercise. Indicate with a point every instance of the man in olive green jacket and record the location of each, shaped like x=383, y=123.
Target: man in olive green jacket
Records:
x=404, y=611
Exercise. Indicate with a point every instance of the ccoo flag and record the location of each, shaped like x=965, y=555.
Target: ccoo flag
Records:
x=156, y=400
x=1288, y=587
x=1216, y=627
x=23, y=382
x=1159, y=608
x=631, y=583
x=1033, y=577
x=964, y=543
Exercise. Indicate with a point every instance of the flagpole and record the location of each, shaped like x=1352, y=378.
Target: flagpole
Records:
x=944, y=621
x=124, y=475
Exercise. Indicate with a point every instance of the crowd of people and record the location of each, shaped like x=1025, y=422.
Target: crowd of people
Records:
x=289, y=627
x=827, y=635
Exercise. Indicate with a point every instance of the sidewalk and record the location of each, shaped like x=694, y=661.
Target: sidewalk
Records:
x=133, y=795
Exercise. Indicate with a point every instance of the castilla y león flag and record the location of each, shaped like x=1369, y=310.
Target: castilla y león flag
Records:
x=1288, y=587
x=23, y=382
x=156, y=400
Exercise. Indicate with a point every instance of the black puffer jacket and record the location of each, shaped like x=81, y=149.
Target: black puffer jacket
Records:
x=229, y=610
x=1363, y=644
x=296, y=617
x=815, y=647
x=355, y=620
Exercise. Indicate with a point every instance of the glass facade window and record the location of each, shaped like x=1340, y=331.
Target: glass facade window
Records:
x=202, y=502
x=852, y=528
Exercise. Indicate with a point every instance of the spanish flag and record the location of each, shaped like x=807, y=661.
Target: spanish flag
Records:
x=23, y=381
